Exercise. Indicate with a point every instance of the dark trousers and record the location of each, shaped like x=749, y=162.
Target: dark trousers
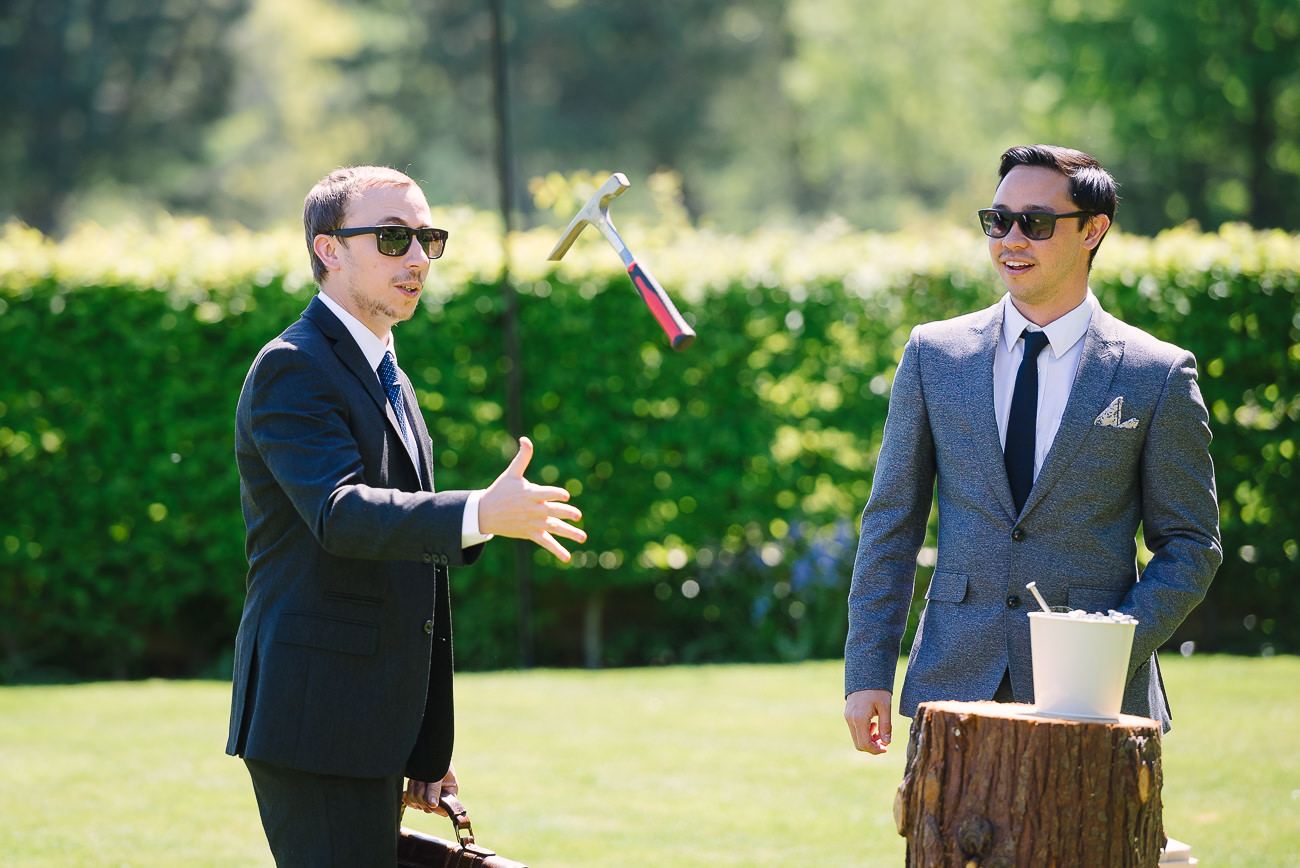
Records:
x=1003, y=693
x=327, y=821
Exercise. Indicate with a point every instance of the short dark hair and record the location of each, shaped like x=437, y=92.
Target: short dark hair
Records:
x=326, y=206
x=1091, y=187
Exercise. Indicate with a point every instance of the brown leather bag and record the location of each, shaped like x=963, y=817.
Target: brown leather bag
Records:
x=418, y=850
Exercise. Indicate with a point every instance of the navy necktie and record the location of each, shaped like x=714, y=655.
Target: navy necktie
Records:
x=388, y=376
x=1019, y=451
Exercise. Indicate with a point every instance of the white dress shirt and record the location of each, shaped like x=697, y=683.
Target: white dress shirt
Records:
x=1057, y=365
x=373, y=349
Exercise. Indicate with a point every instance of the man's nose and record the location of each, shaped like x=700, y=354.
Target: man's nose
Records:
x=1015, y=236
x=416, y=255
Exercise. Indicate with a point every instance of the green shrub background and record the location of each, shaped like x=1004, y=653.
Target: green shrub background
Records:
x=737, y=468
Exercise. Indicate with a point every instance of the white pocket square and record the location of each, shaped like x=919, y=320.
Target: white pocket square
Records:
x=1110, y=417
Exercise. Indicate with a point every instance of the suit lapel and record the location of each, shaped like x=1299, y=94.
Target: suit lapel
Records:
x=345, y=347
x=420, y=430
x=978, y=385
x=1102, y=351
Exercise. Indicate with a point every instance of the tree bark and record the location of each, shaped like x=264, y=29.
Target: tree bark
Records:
x=992, y=785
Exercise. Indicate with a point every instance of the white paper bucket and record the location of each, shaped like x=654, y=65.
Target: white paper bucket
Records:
x=1080, y=665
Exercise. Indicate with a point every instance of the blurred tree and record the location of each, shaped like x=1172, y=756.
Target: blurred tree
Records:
x=883, y=113
x=594, y=85
x=902, y=111
x=1197, y=100
x=99, y=92
x=685, y=84
x=617, y=84
x=301, y=106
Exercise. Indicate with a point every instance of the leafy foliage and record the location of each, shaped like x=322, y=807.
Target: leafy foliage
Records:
x=1234, y=299
x=106, y=93
x=1198, y=103
x=721, y=485
x=884, y=113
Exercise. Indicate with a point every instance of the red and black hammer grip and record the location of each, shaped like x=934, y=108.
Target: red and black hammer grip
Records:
x=680, y=335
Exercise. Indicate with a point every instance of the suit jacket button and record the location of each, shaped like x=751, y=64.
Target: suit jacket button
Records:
x=1013, y=602
x=1018, y=534
x=428, y=626
x=428, y=558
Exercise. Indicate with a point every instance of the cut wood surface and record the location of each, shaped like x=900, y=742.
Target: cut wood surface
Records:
x=992, y=785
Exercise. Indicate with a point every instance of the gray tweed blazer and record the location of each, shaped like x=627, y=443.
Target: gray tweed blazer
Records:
x=1107, y=474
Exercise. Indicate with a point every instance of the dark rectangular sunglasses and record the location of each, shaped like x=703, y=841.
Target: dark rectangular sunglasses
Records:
x=1036, y=225
x=396, y=240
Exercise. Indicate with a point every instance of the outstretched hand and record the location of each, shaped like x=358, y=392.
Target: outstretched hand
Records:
x=514, y=507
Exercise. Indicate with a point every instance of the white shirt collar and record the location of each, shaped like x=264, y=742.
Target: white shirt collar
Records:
x=1062, y=333
x=371, y=346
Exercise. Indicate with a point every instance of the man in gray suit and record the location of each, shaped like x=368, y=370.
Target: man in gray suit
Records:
x=1049, y=432
x=343, y=665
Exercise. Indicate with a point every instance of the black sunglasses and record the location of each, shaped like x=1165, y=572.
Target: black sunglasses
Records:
x=396, y=240
x=1036, y=225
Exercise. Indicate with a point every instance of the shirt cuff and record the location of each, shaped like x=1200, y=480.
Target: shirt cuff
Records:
x=469, y=532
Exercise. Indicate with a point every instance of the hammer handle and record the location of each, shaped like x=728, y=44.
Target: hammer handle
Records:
x=680, y=335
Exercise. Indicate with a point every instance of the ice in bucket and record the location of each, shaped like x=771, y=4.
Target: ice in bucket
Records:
x=1080, y=662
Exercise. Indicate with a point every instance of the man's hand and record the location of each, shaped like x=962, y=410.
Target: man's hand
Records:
x=514, y=507
x=867, y=714
x=424, y=797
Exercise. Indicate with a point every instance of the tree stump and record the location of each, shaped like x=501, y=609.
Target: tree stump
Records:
x=991, y=785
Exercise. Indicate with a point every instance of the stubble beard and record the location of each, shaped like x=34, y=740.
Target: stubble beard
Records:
x=377, y=308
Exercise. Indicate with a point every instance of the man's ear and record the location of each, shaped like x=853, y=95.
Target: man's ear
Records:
x=1097, y=226
x=327, y=249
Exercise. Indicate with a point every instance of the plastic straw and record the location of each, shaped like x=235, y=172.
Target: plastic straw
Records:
x=1033, y=588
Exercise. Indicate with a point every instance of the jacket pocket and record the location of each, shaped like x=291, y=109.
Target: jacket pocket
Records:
x=329, y=634
x=947, y=586
x=1095, y=599
x=363, y=599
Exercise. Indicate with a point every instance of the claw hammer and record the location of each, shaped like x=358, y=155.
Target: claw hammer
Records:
x=596, y=212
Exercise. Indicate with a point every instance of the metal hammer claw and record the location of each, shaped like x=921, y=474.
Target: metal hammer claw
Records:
x=596, y=212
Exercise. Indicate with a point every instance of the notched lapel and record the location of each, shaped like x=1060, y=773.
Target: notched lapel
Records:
x=1102, y=351
x=421, y=432
x=345, y=347
x=350, y=354
x=978, y=382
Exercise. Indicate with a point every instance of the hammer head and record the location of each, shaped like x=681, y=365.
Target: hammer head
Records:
x=596, y=211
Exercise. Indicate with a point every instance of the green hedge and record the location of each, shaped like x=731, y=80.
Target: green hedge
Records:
x=722, y=485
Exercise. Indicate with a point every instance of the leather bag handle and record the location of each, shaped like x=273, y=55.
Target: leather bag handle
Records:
x=459, y=816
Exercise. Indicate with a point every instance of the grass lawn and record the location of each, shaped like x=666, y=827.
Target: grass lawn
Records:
x=707, y=766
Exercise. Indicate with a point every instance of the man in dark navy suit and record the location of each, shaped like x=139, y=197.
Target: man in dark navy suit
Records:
x=343, y=667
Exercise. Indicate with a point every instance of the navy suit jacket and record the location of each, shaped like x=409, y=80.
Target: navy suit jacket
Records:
x=1075, y=536
x=343, y=661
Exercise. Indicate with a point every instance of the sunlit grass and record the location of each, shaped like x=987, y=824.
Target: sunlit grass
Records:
x=718, y=765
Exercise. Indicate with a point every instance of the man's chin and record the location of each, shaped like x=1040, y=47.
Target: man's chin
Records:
x=403, y=313
x=1031, y=295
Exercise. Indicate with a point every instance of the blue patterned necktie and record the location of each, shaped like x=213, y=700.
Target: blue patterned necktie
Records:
x=1019, y=451
x=388, y=376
